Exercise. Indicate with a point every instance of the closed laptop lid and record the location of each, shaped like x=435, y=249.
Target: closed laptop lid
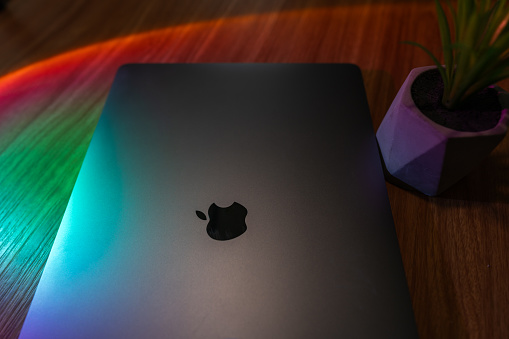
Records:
x=280, y=160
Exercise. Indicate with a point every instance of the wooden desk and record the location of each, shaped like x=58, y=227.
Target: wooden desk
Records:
x=58, y=59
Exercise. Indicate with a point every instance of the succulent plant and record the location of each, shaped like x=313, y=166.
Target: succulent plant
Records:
x=475, y=47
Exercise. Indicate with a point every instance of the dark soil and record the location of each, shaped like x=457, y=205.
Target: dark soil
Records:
x=480, y=112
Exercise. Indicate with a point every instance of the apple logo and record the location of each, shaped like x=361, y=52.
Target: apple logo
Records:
x=225, y=223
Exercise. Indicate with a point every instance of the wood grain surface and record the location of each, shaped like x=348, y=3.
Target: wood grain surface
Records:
x=58, y=59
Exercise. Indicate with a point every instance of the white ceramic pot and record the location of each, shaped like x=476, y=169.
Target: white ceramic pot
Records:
x=428, y=156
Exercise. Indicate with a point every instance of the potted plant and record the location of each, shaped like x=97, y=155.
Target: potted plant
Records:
x=446, y=118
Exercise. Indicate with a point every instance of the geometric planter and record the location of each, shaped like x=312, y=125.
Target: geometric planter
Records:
x=427, y=156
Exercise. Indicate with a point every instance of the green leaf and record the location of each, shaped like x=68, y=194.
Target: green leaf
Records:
x=472, y=31
x=465, y=8
x=474, y=74
x=499, y=13
x=454, y=15
x=496, y=68
x=482, y=84
x=484, y=4
x=435, y=60
x=445, y=35
x=475, y=46
x=462, y=65
x=492, y=22
x=502, y=40
x=488, y=22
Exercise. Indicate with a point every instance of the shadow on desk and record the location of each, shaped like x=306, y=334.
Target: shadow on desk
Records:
x=488, y=183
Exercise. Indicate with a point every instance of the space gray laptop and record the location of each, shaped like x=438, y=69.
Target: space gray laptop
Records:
x=228, y=201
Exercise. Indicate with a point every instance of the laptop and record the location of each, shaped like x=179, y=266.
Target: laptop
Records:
x=228, y=201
